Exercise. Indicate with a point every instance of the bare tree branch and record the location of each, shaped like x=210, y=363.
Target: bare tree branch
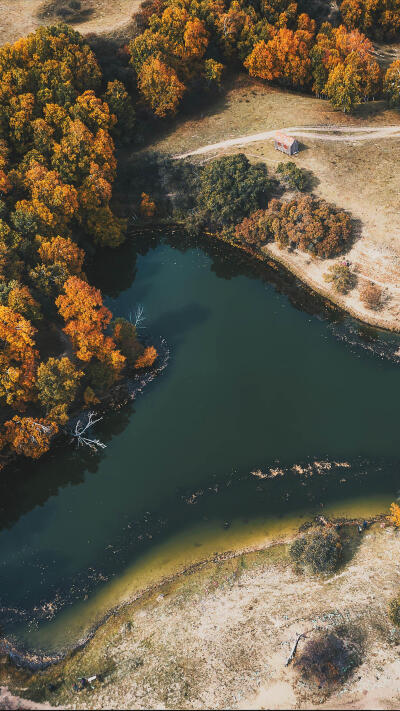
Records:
x=78, y=433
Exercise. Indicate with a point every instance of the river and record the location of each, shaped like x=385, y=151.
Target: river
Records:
x=255, y=385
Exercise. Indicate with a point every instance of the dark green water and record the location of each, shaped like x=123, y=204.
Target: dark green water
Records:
x=252, y=381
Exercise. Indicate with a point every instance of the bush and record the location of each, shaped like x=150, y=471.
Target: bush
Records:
x=371, y=296
x=293, y=177
x=311, y=225
x=231, y=188
x=321, y=552
x=253, y=231
x=327, y=659
x=394, y=610
x=341, y=277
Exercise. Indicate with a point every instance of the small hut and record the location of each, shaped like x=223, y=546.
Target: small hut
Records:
x=286, y=144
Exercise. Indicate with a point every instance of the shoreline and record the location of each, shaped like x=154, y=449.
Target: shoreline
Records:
x=273, y=259
x=35, y=662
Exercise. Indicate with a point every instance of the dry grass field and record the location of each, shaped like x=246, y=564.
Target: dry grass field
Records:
x=358, y=176
x=219, y=637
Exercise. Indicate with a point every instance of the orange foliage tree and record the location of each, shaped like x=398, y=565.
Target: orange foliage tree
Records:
x=81, y=307
x=29, y=436
x=18, y=359
x=147, y=358
x=394, y=516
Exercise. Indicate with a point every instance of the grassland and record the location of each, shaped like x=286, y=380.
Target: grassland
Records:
x=360, y=177
x=220, y=636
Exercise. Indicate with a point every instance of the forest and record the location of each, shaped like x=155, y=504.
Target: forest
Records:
x=60, y=345
x=187, y=45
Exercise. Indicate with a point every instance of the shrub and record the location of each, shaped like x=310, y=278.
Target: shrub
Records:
x=394, y=610
x=327, y=659
x=311, y=225
x=394, y=516
x=371, y=296
x=231, y=188
x=341, y=277
x=293, y=177
x=253, y=230
x=321, y=552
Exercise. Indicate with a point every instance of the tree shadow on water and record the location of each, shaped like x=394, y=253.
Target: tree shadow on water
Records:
x=173, y=325
x=63, y=466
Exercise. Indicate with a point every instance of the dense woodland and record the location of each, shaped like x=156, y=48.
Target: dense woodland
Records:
x=62, y=112
x=184, y=45
x=57, y=167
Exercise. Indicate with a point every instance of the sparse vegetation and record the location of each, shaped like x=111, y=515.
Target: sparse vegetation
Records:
x=320, y=552
x=292, y=176
x=341, y=277
x=371, y=296
x=326, y=659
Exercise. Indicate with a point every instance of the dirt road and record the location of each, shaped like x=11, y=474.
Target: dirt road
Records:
x=323, y=133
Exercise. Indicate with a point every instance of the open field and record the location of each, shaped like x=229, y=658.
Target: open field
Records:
x=357, y=174
x=19, y=17
x=220, y=637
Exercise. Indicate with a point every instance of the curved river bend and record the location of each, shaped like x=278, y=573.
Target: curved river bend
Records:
x=254, y=384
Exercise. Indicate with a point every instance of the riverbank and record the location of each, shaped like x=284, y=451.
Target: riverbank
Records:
x=355, y=175
x=218, y=635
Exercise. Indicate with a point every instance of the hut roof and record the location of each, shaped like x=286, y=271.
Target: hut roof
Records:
x=284, y=139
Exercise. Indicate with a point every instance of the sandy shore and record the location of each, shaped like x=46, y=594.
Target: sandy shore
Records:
x=219, y=636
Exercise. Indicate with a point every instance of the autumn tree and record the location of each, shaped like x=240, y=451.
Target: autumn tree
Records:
x=253, y=231
x=147, y=206
x=29, y=436
x=81, y=307
x=57, y=382
x=311, y=225
x=391, y=83
x=377, y=18
x=371, y=295
x=160, y=87
x=394, y=516
x=18, y=359
x=147, y=358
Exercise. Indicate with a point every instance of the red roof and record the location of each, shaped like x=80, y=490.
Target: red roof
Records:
x=285, y=140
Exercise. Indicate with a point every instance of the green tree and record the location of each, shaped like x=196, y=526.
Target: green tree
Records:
x=121, y=106
x=293, y=177
x=231, y=188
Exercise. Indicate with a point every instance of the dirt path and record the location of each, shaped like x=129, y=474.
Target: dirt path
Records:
x=330, y=133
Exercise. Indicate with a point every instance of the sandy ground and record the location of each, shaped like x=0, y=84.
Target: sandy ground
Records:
x=19, y=17
x=219, y=638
